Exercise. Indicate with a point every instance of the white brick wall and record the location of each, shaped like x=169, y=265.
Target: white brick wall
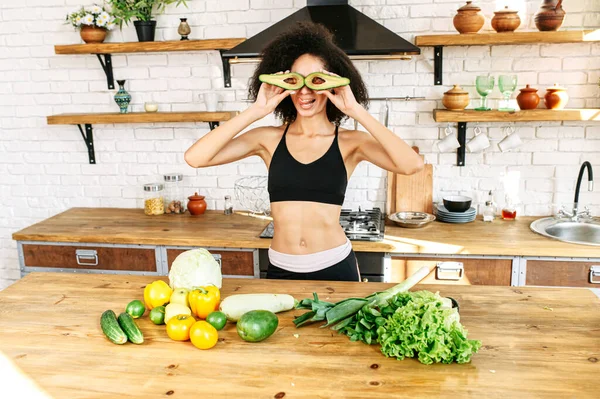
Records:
x=44, y=169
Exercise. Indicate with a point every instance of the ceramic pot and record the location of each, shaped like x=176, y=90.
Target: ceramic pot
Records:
x=122, y=97
x=550, y=15
x=196, y=204
x=506, y=20
x=456, y=99
x=528, y=98
x=184, y=29
x=145, y=30
x=556, y=97
x=468, y=19
x=92, y=34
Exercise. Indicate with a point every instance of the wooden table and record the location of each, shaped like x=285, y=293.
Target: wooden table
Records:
x=213, y=229
x=536, y=343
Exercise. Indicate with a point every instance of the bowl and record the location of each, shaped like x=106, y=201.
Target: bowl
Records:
x=411, y=220
x=151, y=107
x=457, y=203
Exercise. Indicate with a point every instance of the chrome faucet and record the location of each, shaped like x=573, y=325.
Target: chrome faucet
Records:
x=576, y=214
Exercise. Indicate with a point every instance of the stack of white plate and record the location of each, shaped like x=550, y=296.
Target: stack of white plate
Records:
x=444, y=215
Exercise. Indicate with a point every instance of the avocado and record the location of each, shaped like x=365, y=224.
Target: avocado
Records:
x=287, y=81
x=322, y=81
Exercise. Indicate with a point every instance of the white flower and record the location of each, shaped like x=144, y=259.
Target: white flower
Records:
x=78, y=21
x=104, y=15
x=88, y=19
x=95, y=9
x=110, y=25
x=101, y=22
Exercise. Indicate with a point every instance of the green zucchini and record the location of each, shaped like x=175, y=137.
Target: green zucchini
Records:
x=131, y=329
x=111, y=328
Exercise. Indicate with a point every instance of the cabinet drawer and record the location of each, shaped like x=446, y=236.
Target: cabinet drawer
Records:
x=90, y=257
x=475, y=271
x=561, y=273
x=233, y=263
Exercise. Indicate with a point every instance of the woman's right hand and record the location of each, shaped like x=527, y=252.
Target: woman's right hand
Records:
x=269, y=97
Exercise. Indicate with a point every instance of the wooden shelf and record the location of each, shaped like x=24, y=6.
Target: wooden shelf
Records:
x=148, y=47
x=139, y=117
x=444, y=115
x=474, y=39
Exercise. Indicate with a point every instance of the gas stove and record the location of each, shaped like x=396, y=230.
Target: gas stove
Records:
x=358, y=225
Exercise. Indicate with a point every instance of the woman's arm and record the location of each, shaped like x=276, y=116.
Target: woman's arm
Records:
x=382, y=147
x=220, y=147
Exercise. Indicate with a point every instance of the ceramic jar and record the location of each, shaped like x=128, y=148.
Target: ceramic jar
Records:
x=122, y=97
x=456, y=99
x=184, y=29
x=468, y=19
x=550, y=15
x=556, y=97
x=196, y=204
x=92, y=34
x=528, y=98
x=506, y=20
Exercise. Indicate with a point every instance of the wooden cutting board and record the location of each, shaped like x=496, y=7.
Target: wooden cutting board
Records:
x=410, y=193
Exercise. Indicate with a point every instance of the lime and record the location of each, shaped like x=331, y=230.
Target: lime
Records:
x=157, y=315
x=217, y=320
x=135, y=308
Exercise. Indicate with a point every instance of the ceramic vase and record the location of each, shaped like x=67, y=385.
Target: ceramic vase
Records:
x=92, y=34
x=122, y=97
x=184, y=29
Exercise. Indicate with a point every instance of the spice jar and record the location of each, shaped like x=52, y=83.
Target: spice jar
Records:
x=154, y=203
x=468, y=19
x=456, y=99
x=528, y=98
x=556, y=97
x=506, y=20
x=174, y=196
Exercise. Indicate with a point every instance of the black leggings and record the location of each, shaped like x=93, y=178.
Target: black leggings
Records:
x=345, y=270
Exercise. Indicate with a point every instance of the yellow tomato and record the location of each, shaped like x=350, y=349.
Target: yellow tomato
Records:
x=156, y=294
x=203, y=335
x=178, y=328
x=204, y=300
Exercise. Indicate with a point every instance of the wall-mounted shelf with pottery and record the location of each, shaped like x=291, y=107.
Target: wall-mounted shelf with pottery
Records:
x=107, y=49
x=503, y=38
x=213, y=118
x=531, y=115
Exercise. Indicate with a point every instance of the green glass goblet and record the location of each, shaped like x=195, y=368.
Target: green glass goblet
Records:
x=507, y=85
x=484, y=86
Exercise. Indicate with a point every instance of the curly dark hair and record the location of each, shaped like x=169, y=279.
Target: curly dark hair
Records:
x=317, y=40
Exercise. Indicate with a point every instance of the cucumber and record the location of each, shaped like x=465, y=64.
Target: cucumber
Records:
x=111, y=328
x=257, y=325
x=130, y=328
x=234, y=306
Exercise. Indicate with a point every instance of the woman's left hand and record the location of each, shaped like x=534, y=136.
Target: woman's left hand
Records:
x=342, y=98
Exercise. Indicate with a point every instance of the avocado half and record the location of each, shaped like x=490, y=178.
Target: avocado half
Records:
x=322, y=81
x=287, y=81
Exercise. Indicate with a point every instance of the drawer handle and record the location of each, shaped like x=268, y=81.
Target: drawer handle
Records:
x=449, y=271
x=86, y=257
x=594, y=272
x=218, y=259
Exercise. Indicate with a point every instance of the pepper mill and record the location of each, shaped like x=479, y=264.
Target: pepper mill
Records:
x=184, y=29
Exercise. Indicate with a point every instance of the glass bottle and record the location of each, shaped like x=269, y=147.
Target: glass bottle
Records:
x=175, y=199
x=154, y=203
x=509, y=212
x=228, y=205
x=489, y=212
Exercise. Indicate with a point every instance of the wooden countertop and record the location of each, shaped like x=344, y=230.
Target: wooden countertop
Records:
x=537, y=342
x=213, y=229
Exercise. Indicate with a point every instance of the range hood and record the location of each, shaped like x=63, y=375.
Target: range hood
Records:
x=355, y=33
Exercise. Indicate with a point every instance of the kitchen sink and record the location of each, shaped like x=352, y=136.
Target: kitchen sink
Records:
x=585, y=232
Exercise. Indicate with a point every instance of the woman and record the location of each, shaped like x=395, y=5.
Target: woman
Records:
x=309, y=158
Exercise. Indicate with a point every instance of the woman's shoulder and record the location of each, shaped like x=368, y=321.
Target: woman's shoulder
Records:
x=351, y=136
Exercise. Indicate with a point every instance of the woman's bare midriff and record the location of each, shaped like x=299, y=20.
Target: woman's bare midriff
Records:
x=306, y=227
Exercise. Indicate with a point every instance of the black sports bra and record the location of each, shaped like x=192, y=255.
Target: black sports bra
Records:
x=323, y=180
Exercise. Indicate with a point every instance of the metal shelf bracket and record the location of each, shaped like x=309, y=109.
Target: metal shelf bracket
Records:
x=226, y=69
x=462, y=138
x=213, y=125
x=88, y=139
x=108, y=69
x=437, y=65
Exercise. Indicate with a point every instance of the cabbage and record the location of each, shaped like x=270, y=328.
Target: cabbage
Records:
x=195, y=268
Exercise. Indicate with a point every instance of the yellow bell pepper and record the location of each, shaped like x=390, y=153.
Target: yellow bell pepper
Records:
x=156, y=294
x=204, y=300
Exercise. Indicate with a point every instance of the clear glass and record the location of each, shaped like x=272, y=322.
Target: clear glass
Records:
x=228, y=205
x=489, y=212
x=175, y=199
x=154, y=202
x=484, y=86
x=507, y=85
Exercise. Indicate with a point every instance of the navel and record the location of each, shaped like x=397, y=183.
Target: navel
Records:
x=302, y=243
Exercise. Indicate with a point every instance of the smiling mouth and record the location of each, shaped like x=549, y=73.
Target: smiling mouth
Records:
x=306, y=104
